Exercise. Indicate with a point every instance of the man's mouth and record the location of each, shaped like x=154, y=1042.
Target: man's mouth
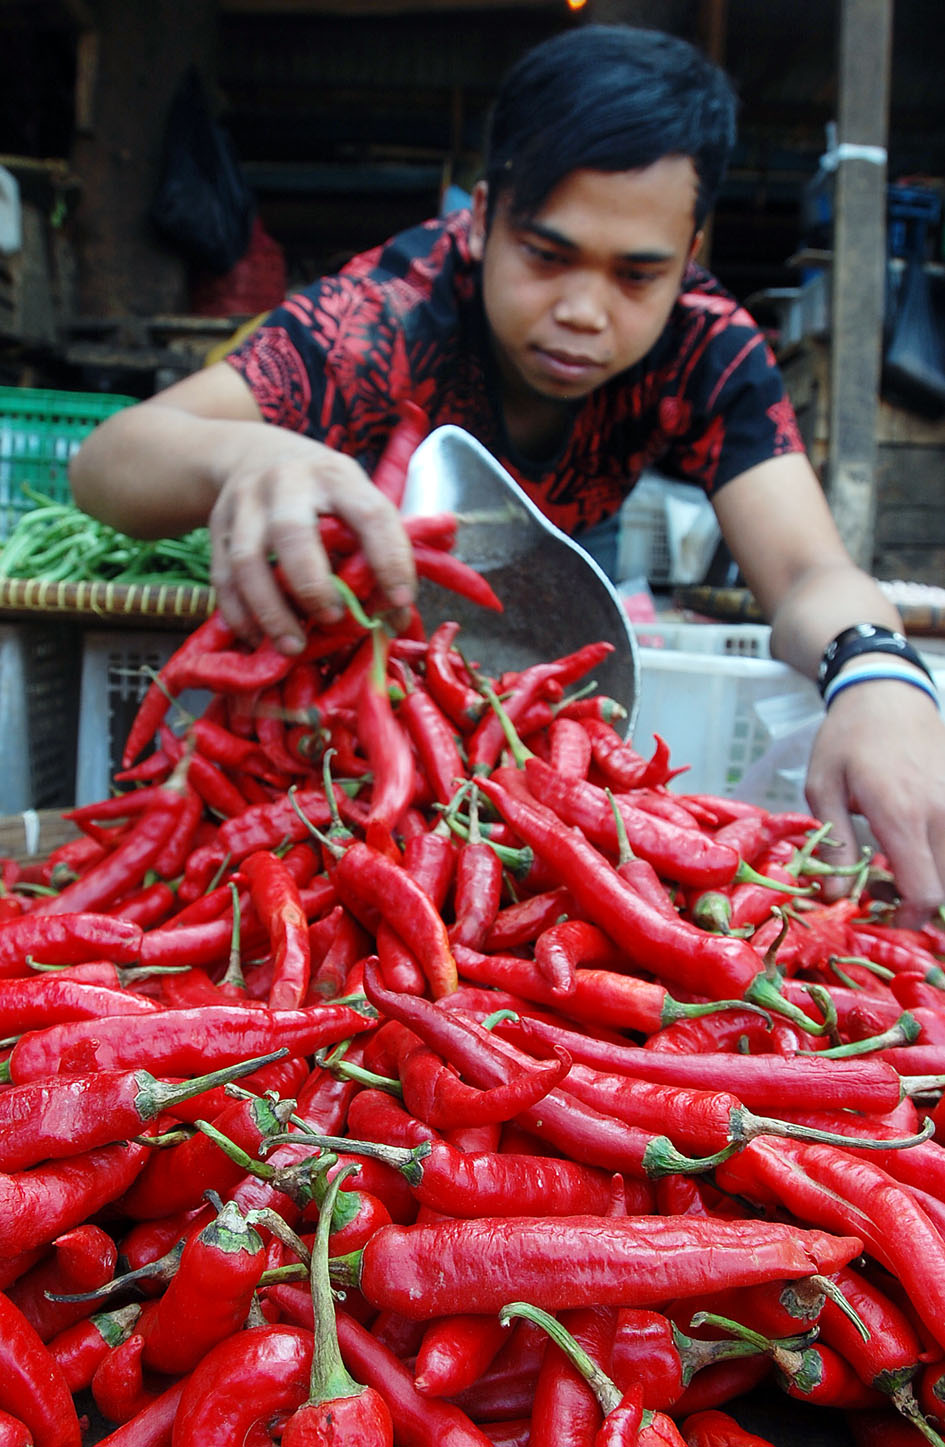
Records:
x=569, y=366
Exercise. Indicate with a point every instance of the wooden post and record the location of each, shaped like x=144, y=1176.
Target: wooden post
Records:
x=129, y=65
x=859, y=269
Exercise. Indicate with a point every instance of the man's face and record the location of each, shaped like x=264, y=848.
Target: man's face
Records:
x=581, y=290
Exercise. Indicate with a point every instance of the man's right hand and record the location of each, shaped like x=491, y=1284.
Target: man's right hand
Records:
x=199, y=453
x=269, y=507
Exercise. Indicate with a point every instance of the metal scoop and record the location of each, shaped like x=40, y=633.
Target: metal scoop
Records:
x=555, y=596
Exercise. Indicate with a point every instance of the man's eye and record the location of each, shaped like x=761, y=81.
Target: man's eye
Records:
x=544, y=254
x=636, y=278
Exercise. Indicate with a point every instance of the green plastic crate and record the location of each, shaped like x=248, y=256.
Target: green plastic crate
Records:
x=39, y=432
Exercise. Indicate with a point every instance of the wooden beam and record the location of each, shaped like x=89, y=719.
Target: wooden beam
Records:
x=376, y=7
x=859, y=269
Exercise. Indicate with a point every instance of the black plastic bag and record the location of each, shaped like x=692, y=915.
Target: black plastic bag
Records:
x=203, y=205
x=913, y=373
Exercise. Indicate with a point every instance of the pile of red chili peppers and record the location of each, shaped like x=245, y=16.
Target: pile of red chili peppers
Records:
x=399, y=1055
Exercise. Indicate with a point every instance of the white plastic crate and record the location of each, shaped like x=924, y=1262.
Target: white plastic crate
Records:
x=716, y=714
x=39, y=699
x=643, y=542
x=738, y=640
x=744, y=725
x=667, y=532
x=116, y=670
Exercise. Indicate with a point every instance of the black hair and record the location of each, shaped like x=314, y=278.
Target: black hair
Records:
x=607, y=98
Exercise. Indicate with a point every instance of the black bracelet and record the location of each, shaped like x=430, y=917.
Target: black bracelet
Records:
x=864, y=638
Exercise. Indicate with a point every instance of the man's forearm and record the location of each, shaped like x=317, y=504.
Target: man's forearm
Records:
x=153, y=471
x=822, y=602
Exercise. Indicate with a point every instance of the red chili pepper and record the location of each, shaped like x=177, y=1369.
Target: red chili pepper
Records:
x=811, y=1372
x=47, y=999
x=625, y=1421
x=40, y=1204
x=444, y=673
x=477, y=887
x=390, y=474
x=425, y=1422
x=620, y=764
x=567, y=1123
x=722, y=1383
x=426, y=1271
x=118, y=1383
x=152, y=1426
x=455, y=1351
x=181, y=1042
x=125, y=867
x=265, y=826
x=80, y=1260
x=449, y=571
x=826, y=1184
x=217, y=790
x=507, y=1388
x=650, y=1349
x=434, y=739
x=522, y=922
x=66, y=940
x=762, y=1082
x=488, y=739
x=718, y=1429
x=597, y=997
x=69, y=1114
x=243, y=1381
x=32, y=1386
x=890, y=1357
x=373, y=886
x=481, y=1183
x=708, y=965
x=211, y=634
x=276, y=897
x=209, y=1295
x=565, y=1410
x=175, y=1180
x=149, y=906
x=78, y=1349
x=436, y=1095
x=684, y=854
x=339, y=1409
x=570, y=750
x=385, y=744
x=13, y=1432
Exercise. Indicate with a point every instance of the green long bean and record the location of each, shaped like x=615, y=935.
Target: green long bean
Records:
x=58, y=542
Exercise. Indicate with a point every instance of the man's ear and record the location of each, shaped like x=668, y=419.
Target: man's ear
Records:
x=696, y=246
x=477, y=231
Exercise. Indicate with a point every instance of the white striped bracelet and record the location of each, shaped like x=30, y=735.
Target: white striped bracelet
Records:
x=879, y=673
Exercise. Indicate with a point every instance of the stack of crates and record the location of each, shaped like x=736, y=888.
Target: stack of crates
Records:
x=39, y=662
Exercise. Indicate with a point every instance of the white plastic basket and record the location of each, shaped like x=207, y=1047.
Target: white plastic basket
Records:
x=738, y=640
x=39, y=699
x=744, y=725
x=716, y=713
x=116, y=671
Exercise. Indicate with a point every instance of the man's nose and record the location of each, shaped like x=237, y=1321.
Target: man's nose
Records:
x=582, y=302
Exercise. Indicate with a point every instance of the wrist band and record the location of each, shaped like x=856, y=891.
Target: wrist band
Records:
x=864, y=638
x=879, y=674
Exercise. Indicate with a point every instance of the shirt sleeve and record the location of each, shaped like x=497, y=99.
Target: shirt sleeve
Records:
x=731, y=411
x=323, y=362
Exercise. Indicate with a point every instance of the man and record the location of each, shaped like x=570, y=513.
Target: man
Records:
x=563, y=322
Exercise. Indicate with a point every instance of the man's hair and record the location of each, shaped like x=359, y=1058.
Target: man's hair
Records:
x=607, y=98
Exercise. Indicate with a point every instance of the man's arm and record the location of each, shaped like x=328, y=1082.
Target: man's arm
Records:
x=199, y=453
x=881, y=749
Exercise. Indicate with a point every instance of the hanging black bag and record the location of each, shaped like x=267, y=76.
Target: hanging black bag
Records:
x=203, y=204
x=913, y=373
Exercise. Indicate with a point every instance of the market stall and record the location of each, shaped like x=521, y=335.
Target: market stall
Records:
x=377, y=972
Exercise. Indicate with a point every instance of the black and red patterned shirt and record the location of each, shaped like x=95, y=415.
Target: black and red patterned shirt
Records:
x=405, y=320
